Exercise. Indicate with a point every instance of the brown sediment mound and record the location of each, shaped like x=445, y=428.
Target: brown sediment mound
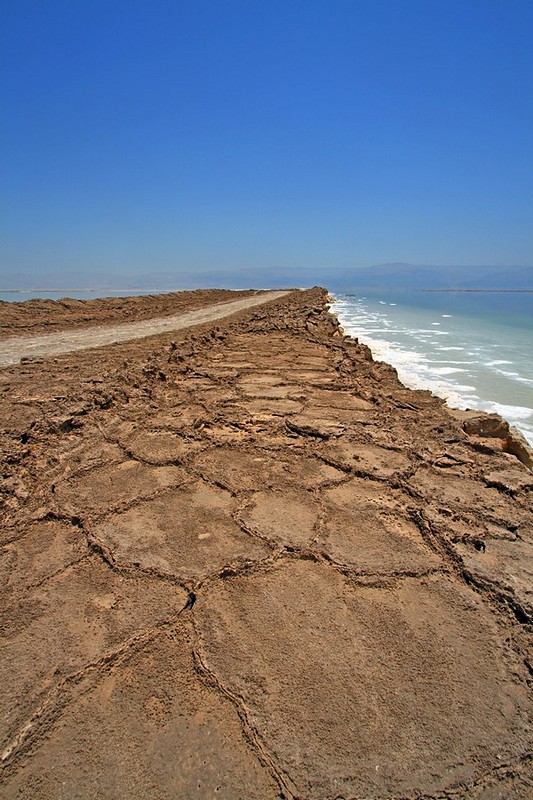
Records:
x=243, y=560
x=22, y=349
x=47, y=316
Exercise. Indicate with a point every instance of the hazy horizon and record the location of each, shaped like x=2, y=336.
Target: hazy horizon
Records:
x=396, y=275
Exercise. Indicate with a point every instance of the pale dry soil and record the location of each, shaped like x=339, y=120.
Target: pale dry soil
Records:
x=244, y=561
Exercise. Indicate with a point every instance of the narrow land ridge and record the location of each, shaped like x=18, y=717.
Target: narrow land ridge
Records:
x=53, y=344
x=245, y=561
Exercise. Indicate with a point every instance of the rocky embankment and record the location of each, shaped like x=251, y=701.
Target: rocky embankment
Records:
x=243, y=560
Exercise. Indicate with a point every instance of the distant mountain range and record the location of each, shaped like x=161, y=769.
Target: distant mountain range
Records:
x=380, y=276
x=409, y=276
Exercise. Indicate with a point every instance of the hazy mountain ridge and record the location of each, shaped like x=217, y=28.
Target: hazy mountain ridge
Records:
x=409, y=276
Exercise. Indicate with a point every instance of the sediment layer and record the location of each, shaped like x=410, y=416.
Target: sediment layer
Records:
x=244, y=560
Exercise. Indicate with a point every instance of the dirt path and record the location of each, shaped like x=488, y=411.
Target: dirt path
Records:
x=53, y=344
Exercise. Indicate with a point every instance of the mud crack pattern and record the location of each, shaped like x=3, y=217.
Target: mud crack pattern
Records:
x=244, y=561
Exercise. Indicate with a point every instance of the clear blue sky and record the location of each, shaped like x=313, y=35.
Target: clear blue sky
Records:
x=209, y=134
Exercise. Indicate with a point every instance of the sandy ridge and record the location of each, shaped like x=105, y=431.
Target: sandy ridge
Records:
x=53, y=344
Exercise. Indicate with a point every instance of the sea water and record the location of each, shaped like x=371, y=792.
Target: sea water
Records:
x=474, y=349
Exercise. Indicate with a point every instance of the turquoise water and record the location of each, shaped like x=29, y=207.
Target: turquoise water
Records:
x=475, y=350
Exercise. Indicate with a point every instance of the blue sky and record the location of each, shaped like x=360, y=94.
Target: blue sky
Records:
x=213, y=134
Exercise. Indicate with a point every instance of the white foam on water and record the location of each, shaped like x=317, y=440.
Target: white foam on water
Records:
x=519, y=412
x=526, y=381
x=511, y=374
x=447, y=370
x=411, y=349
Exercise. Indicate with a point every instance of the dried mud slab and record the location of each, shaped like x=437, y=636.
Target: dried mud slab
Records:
x=370, y=535
x=285, y=517
x=370, y=542
x=184, y=739
x=371, y=692
x=235, y=468
x=505, y=566
x=321, y=424
x=278, y=408
x=38, y=552
x=366, y=492
x=268, y=386
x=509, y=479
x=330, y=413
x=78, y=617
x=366, y=459
x=159, y=447
x=344, y=401
x=108, y=487
x=189, y=533
x=82, y=453
x=466, y=495
x=184, y=417
x=239, y=469
x=318, y=377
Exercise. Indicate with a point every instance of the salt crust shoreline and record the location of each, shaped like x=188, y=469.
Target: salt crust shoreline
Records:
x=244, y=559
x=480, y=422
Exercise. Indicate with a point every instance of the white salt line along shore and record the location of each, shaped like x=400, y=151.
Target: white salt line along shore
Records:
x=53, y=344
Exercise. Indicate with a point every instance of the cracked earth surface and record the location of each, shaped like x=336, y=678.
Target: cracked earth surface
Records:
x=244, y=561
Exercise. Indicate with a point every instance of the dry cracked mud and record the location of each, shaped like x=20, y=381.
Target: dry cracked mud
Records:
x=242, y=560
